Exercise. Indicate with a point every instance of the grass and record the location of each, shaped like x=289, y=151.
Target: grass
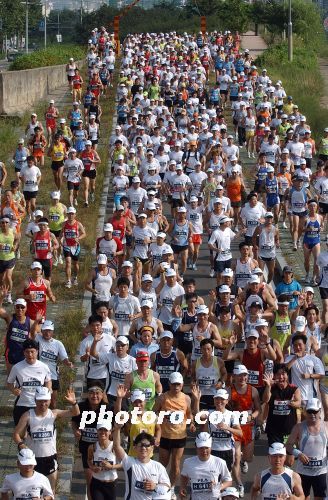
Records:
x=301, y=79
x=51, y=56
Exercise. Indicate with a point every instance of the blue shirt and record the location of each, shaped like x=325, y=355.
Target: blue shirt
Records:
x=287, y=289
x=139, y=346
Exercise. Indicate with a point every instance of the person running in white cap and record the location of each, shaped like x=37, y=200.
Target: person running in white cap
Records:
x=277, y=481
x=206, y=474
x=27, y=483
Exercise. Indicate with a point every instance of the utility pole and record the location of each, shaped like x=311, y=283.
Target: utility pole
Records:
x=45, y=24
x=290, y=33
x=26, y=28
x=81, y=12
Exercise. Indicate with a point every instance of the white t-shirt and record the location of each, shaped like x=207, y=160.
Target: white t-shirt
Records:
x=50, y=352
x=202, y=474
x=322, y=262
x=123, y=308
x=321, y=187
x=36, y=486
x=251, y=217
x=222, y=239
x=30, y=177
x=135, y=474
x=166, y=299
x=95, y=368
x=28, y=378
x=306, y=364
x=117, y=367
x=73, y=170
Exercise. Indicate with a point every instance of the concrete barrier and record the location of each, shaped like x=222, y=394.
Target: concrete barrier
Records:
x=20, y=90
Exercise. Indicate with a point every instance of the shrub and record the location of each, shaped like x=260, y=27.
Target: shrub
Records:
x=51, y=56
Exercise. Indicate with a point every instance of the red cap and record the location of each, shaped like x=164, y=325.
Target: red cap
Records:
x=142, y=356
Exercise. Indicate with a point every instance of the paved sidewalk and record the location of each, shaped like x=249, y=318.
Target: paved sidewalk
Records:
x=254, y=43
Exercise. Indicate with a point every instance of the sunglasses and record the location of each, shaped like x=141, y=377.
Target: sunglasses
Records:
x=144, y=445
x=20, y=307
x=312, y=412
x=4, y=222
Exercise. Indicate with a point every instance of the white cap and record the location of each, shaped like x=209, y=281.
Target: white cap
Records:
x=147, y=277
x=231, y=491
x=270, y=169
x=71, y=150
x=105, y=424
x=268, y=215
x=176, y=378
x=38, y=213
x=71, y=210
x=217, y=200
x=88, y=143
x=42, y=394
x=127, y=263
x=308, y=289
x=108, y=227
x=277, y=449
x=136, y=179
x=252, y=333
x=257, y=270
x=147, y=303
x=20, y=302
x=151, y=206
x=224, y=289
x=168, y=250
x=224, y=219
x=26, y=457
x=254, y=279
x=142, y=215
x=313, y=404
x=166, y=335
x=227, y=272
x=36, y=265
x=55, y=195
x=193, y=198
x=261, y=322
x=170, y=273
x=21, y=141
x=202, y=309
x=233, y=158
x=204, y=440
x=300, y=324
x=51, y=101
x=240, y=369
x=160, y=234
x=48, y=325
x=285, y=151
x=137, y=395
x=102, y=259
x=62, y=120
x=182, y=210
x=221, y=393
x=123, y=339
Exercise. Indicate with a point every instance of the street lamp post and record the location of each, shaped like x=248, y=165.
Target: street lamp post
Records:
x=26, y=28
x=290, y=32
x=45, y=24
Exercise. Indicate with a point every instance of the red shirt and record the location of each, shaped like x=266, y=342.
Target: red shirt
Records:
x=38, y=302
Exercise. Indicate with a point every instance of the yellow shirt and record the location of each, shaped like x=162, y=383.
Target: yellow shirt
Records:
x=135, y=430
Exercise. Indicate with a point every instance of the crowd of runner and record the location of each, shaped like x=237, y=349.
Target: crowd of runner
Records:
x=186, y=108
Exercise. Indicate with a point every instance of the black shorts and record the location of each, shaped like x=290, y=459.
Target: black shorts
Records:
x=323, y=208
x=56, y=165
x=223, y=92
x=267, y=259
x=176, y=203
x=55, y=385
x=323, y=157
x=226, y=455
x=220, y=265
x=72, y=186
x=249, y=240
x=275, y=437
x=29, y=195
x=7, y=264
x=184, y=345
x=18, y=412
x=301, y=214
x=179, y=248
x=233, y=98
x=68, y=253
x=317, y=483
x=143, y=261
x=93, y=142
x=323, y=292
x=70, y=78
x=56, y=233
x=46, y=465
x=168, y=444
x=102, y=489
x=206, y=403
x=260, y=390
x=91, y=174
x=229, y=366
x=46, y=267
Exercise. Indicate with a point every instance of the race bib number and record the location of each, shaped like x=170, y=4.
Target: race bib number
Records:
x=281, y=407
x=253, y=377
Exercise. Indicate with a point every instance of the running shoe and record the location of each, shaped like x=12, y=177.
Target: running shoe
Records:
x=68, y=284
x=75, y=282
x=241, y=490
x=244, y=467
x=55, y=263
x=60, y=260
x=9, y=299
x=212, y=273
x=284, y=225
x=257, y=435
x=307, y=279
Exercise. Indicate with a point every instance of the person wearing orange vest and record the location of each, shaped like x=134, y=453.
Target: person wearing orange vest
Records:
x=72, y=233
x=244, y=397
x=235, y=187
x=90, y=159
x=44, y=243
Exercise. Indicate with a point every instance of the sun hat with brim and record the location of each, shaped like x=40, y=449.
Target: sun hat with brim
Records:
x=203, y=440
x=26, y=457
x=313, y=404
x=277, y=449
x=240, y=369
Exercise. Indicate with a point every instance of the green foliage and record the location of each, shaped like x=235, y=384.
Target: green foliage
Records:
x=233, y=15
x=53, y=55
x=301, y=79
x=13, y=12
